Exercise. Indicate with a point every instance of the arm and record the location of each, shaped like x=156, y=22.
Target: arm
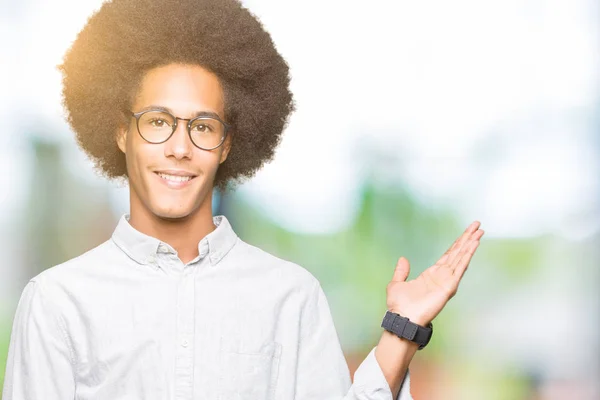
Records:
x=422, y=299
x=39, y=364
x=384, y=373
x=322, y=369
x=393, y=355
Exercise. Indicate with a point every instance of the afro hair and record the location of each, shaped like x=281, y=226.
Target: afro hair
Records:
x=124, y=39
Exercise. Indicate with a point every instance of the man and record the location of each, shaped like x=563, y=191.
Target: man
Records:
x=180, y=98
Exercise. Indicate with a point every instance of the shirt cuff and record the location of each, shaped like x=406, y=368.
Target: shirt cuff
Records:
x=369, y=379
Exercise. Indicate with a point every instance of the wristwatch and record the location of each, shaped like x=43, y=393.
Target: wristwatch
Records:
x=406, y=329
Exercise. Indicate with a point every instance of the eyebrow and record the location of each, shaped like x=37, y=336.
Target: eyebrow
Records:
x=210, y=114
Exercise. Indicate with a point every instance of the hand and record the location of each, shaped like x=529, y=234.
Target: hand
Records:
x=422, y=299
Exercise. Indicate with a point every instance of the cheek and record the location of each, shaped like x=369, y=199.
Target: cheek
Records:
x=139, y=156
x=206, y=160
x=214, y=162
x=133, y=157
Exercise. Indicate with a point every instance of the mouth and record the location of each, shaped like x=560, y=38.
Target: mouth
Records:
x=175, y=179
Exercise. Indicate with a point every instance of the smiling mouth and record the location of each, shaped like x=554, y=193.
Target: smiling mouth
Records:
x=175, y=178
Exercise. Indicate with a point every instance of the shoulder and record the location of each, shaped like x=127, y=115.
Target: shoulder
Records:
x=72, y=272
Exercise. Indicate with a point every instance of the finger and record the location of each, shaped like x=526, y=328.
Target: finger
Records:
x=465, y=235
x=458, y=243
x=442, y=260
x=465, y=249
x=463, y=264
x=402, y=270
x=477, y=234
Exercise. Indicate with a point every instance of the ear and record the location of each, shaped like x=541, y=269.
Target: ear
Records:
x=226, y=148
x=122, y=139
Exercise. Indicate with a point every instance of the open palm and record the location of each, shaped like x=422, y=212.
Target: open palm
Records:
x=422, y=299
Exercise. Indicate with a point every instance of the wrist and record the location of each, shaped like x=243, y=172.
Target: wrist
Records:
x=417, y=319
x=404, y=328
x=391, y=339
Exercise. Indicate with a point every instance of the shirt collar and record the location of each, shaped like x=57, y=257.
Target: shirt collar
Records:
x=142, y=248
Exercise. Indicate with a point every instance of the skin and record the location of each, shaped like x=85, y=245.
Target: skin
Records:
x=182, y=217
x=421, y=300
x=179, y=217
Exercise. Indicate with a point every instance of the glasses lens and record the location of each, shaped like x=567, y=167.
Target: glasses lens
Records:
x=156, y=126
x=207, y=132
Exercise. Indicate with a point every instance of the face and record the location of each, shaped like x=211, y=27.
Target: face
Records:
x=185, y=91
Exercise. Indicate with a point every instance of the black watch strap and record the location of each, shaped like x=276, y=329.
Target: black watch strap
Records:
x=406, y=329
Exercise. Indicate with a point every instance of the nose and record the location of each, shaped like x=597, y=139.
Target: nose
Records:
x=179, y=144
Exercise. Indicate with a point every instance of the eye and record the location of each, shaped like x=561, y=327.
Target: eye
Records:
x=203, y=128
x=157, y=122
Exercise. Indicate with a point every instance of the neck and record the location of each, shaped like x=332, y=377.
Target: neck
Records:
x=183, y=234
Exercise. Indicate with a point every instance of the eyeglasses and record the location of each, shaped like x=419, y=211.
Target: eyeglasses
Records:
x=157, y=126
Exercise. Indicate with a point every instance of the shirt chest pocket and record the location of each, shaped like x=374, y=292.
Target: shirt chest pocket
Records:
x=249, y=375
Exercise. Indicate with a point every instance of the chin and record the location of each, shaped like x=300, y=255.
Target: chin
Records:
x=172, y=213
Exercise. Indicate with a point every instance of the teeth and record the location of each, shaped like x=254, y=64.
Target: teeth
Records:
x=175, y=178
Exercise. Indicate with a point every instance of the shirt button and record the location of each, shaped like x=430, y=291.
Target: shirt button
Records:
x=184, y=343
x=163, y=248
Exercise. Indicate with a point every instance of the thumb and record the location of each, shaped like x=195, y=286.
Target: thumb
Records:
x=402, y=270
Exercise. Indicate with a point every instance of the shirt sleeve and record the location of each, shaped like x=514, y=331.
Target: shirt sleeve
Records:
x=322, y=369
x=39, y=364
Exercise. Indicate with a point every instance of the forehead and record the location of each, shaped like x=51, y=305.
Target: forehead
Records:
x=185, y=89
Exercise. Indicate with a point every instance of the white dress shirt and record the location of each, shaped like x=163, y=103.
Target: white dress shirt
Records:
x=128, y=320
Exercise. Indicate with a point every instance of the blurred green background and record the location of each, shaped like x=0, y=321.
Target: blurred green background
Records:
x=412, y=122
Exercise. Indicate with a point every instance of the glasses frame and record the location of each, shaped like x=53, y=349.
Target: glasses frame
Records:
x=137, y=116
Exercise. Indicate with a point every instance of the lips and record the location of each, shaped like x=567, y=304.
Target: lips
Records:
x=175, y=178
